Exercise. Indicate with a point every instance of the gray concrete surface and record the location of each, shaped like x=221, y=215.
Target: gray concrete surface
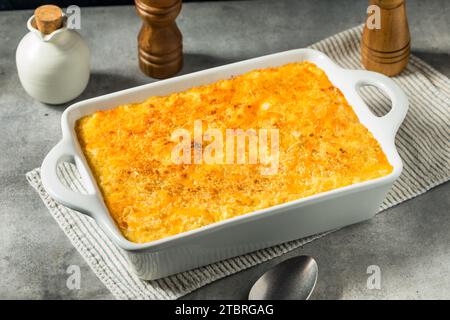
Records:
x=410, y=242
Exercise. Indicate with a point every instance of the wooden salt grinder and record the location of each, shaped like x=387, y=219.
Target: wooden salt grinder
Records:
x=386, y=50
x=159, y=40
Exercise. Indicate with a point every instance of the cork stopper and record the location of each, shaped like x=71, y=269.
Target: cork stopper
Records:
x=48, y=18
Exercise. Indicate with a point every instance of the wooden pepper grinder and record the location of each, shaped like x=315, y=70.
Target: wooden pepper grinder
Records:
x=159, y=40
x=386, y=50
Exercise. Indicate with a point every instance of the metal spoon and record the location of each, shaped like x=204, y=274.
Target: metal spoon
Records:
x=292, y=279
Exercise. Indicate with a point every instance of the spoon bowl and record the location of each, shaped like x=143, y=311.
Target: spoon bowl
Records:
x=292, y=279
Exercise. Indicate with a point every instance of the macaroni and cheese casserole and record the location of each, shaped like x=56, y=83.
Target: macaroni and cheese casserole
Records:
x=321, y=145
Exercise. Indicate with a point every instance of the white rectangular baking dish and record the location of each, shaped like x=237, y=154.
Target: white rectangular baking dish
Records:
x=263, y=228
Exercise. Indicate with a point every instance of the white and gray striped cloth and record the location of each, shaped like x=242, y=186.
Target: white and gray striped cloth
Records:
x=422, y=141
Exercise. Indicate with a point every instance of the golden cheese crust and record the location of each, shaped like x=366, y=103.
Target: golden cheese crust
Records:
x=322, y=146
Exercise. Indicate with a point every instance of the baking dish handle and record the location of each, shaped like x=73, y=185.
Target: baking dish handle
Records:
x=63, y=151
x=391, y=121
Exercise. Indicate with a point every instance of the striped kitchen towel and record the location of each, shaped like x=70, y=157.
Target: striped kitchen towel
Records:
x=422, y=141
